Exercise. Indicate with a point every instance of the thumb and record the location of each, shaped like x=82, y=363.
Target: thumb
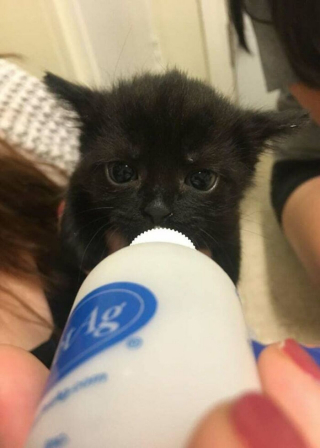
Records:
x=22, y=380
x=216, y=430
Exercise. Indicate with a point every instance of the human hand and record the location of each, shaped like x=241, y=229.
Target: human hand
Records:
x=286, y=415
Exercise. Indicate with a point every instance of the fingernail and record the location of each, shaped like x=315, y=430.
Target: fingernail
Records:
x=300, y=357
x=261, y=424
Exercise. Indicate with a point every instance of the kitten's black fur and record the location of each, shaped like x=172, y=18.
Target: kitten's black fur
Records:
x=165, y=126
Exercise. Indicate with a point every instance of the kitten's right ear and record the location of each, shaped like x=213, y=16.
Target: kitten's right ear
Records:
x=82, y=99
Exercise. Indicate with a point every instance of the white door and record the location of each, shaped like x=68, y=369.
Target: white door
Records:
x=218, y=38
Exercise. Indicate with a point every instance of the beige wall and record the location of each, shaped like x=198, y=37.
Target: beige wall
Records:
x=24, y=29
x=94, y=41
x=216, y=26
x=178, y=26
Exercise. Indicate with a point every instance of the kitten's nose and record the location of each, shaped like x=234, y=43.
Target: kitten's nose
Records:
x=157, y=211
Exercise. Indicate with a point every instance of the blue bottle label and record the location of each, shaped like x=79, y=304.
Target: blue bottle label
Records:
x=103, y=318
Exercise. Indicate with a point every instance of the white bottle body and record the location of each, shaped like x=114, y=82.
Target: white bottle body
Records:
x=151, y=387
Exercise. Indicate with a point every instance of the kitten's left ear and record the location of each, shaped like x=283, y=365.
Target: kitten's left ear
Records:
x=83, y=100
x=264, y=126
x=260, y=128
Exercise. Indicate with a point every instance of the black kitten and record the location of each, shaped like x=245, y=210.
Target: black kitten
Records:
x=159, y=150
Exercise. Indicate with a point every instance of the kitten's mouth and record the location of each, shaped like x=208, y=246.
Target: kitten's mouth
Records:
x=115, y=241
x=205, y=252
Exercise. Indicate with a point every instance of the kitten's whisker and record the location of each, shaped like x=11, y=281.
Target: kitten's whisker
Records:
x=163, y=68
x=249, y=220
x=204, y=242
x=208, y=234
x=242, y=229
x=93, y=209
x=255, y=233
x=103, y=253
x=84, y=254
x=214, y=221
x=114, y=231
x=122, y=49
x=246, y=215
x=219, y=246
x=88, y=224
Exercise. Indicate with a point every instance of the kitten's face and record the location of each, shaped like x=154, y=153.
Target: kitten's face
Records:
x=160, y=151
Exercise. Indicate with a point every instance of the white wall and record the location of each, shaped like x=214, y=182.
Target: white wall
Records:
x=250, y=81
x=24, y=29
x=178, y=25
x=96, y=41
x=123, y=37
x=119, y=37
x=91, y=41
x=216, y=29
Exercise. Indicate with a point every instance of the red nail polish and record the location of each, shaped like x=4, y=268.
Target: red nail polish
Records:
x=61, y=208
x=261, y=424
x=301, y=358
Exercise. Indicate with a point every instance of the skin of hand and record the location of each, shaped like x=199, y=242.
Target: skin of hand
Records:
x=308, y=98
x=286, y=415
x=300, y=221
x=22, y=380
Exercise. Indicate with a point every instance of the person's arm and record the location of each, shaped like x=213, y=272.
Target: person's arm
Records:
x=308, y=98
x=300, y=220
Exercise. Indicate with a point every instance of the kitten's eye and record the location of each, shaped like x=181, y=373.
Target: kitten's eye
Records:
x=121, y=172
x=203, y=180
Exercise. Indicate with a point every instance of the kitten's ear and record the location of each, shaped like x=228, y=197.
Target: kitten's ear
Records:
x=262, y=128
x=82, y=99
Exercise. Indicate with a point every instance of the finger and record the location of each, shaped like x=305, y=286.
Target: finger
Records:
x=216, y=431
x=22, y=380
x=292, y=379
x=252, y=421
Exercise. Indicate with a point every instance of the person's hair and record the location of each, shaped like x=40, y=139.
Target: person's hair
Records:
x=29, y=201
x=297, y=24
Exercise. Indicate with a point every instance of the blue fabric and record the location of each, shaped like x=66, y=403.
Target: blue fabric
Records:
x=314, y=352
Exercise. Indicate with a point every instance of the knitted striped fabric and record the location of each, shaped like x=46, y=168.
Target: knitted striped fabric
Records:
x=32, y=119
